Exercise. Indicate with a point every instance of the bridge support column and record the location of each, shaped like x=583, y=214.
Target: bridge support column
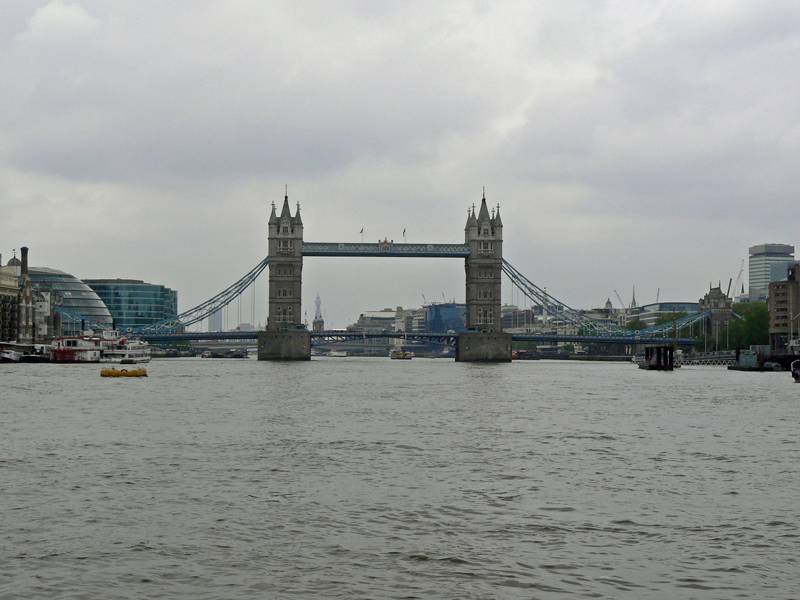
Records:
x=284, y=345
x=477, y=346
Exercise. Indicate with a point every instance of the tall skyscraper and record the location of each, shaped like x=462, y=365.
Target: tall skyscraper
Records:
x=767, y=263
x=319, y=322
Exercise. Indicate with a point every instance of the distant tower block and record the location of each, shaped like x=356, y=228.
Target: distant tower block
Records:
x=318, y=323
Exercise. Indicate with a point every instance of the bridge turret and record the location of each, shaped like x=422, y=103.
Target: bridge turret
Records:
x=472, y=223
x=497, y=223
x=298, y=222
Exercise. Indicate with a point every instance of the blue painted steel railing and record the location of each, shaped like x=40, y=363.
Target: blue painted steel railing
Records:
x=386, y=248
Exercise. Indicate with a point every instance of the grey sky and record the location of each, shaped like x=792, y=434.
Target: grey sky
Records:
x=638, y=142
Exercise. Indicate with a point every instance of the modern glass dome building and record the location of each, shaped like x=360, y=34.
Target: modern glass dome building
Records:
x=134, y=303
x=78, y=301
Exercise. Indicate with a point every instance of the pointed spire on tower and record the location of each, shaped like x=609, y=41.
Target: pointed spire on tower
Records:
x=498, y=222
x=273, y=216
x=285, y=212
x=483, y=214
x=471, y=220
x=297, y=219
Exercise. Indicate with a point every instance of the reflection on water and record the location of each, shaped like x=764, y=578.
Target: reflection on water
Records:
x=370, y=478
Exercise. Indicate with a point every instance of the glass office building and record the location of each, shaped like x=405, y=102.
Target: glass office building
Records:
x=134, y=303
x=76, y=299
x=768, y=262
x=445, y=317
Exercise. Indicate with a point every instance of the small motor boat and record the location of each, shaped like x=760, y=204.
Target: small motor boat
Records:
x=140, y=372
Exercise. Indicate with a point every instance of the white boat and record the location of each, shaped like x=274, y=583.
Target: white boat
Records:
x=338, y=353
x=107, y=347
x=127, y=352
x=9, y=356
x=121, y=350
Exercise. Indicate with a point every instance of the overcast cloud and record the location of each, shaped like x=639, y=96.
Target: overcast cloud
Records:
x=645, y=143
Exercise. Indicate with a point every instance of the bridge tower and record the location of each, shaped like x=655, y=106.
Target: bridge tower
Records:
x=285, y=338
x=285, y=241
x=484, y=341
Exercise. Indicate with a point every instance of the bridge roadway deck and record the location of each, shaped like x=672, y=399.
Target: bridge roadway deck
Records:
x=448, y=338
x=386, y=249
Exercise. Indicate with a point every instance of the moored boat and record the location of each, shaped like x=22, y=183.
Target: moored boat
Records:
x=107, y=346
x=401, y=355
x=9, y=356
x=75, y=349
x=126, y=352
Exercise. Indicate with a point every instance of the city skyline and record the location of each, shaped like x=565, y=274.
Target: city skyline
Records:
x=645, y=145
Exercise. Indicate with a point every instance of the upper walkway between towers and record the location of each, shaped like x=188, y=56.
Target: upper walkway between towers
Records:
x=386, y=248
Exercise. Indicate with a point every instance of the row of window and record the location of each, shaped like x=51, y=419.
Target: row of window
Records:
x=485, y=316
x=282, y=270
x=284, y=314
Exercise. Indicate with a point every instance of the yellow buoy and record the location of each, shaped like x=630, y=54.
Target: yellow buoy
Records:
x=140, y=372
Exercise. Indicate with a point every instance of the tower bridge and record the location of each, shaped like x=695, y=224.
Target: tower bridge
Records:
x=482, y=251
x=286, y=338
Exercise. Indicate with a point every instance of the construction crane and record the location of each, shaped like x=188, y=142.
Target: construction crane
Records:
x=621, y=303
x=658, y=295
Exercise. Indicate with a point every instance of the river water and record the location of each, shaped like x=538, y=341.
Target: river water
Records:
x=371, y=478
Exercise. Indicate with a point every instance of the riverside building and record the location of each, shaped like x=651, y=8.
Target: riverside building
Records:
x=784, y=309
x=134, y=303
x=9, y=290
x=76, y=303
